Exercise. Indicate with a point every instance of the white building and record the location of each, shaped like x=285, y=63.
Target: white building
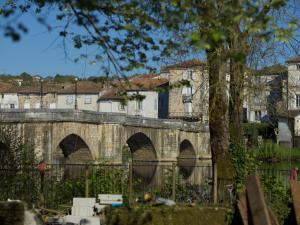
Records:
x=140, y=98
x=8, y=97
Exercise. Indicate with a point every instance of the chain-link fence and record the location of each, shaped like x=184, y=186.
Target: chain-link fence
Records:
x=60, y=183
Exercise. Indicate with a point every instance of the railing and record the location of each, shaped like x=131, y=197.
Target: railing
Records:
x=60, y=183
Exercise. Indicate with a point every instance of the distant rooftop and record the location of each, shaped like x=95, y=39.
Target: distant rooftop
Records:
x=184, y=65
x=294, y=59
x=83, y=87
x=276, y=69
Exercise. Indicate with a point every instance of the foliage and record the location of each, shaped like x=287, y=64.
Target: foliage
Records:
x=18, y=177
x=278, y=197
x=253, y=130
x=184, y=190
x=244, y=162
x=121, y=30
x=269, y=150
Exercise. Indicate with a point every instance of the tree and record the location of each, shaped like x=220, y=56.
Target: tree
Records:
x=124, y=31
x=224, y=30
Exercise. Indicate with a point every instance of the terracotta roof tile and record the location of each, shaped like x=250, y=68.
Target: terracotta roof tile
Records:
x=184, y=65
x=139, y=84
x=111, y=95
x=83, y=87
x=4, y=87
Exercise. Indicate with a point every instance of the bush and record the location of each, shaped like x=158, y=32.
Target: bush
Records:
x=278, y=197
x=253, y=130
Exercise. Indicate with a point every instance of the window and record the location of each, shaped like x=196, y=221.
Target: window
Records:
x=69, y=99
x=188, y=108
x=139, y=105
x=298, y=100
x=52, y=105
x=12, y=106
x=257, y=115
x=88, y=99
x=26, y=105
x=298, y=66
x=121, y=106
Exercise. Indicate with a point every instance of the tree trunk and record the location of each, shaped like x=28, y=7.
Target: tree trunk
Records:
x=218, y=112
x=238, y=49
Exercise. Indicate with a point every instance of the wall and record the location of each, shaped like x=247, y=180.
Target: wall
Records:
x=62, y=101
x=149, y=104
x=200, y=96
x=111, y=106
x=293, y=85
x=7, y=99
x=32, y=101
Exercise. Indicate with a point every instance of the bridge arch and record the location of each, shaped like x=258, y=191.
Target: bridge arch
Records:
x=141, y=147
x=186, y=158
x=72, y=149
x=144, y=157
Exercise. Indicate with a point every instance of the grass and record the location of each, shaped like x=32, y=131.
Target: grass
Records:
x=271, y=151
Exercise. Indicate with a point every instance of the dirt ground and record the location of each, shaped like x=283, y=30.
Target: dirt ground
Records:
x=165, y=215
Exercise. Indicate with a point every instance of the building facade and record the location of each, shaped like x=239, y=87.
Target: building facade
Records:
x=188, y=94
x=138, y=97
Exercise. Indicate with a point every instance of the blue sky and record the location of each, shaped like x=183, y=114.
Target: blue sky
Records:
x=40, y=52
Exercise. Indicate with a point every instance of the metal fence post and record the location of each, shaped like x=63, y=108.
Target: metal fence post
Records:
x=173, y=181
x=130, y=184
x=215, y=184
x=86, y=181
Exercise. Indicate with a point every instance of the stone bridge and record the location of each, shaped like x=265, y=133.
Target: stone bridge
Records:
x=78, y=136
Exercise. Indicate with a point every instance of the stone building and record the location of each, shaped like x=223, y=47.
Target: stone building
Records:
x=289, y=121
x=189, y=102
x=8, y=97
x=48, y=95
x=84, y=94
x=263, y=93
x=139, y=96
x=36, y=96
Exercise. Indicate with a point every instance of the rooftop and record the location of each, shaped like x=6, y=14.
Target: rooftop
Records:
x=276, y=69
x=83, y=87
x=294, y=59
x=184, y=65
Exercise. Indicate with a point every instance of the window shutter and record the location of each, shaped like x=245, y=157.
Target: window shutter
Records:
x=184, y=91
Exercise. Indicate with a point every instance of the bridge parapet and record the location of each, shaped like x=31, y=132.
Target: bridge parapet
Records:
x=65, y=115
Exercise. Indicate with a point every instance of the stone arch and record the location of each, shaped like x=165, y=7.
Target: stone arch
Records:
x=141, y=147
x=186, y=158
x=144, y=157
x=72, y=149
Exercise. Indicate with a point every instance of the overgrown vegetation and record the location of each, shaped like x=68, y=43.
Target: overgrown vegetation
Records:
x=278, y=197
x=18, y=180
x=253, y=130
x=271, y=151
